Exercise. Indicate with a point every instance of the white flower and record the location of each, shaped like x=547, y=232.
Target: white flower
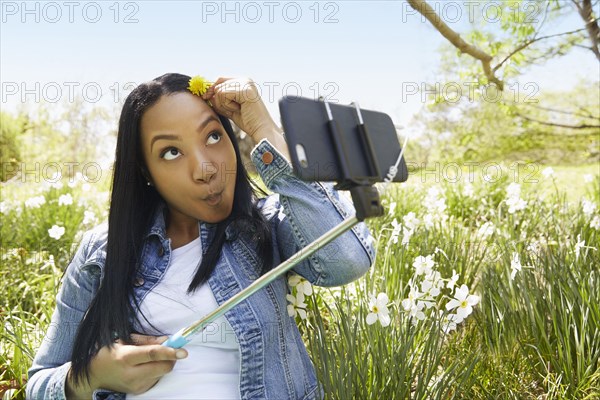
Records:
x=452, y=281
x=395, y=231
x=534, y=247
x=413, y=305
x=595, y=223
x=35, y=202
x=448, y=321
x=410, y=221
x=56, y=232
x=468, y=190
x=515, y=265
x=463, y=302
x=434, y=202
x=423, y=265
x=588, y=178
x=406, y=234
x=429, y=292
x=513, y=198
x=486, y=230
x=301, y=284
x=3, y=207
x=296, y=306
x=86, y=187
x=515, y=204
x=580, y=243
x=392, y=208
x=65, y=199
x=513, y=190
x=548, y=172
x=378, y=310
x=428, y=220
x=588, y=207
x=88, y=217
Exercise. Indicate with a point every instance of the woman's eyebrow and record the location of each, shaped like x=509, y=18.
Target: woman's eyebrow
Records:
x=175, y=137
x=206, y=122
x=167, y=137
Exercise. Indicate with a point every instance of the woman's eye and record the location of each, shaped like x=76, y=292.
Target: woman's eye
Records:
x=170, y=154
x=214, y=137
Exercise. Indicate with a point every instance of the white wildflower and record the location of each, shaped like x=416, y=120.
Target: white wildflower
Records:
x=35, y=202
x=88, y=217
x=378, y=310
x=580, y=244
x=588, y=207
x=65, y=199
x=301, y=284
x=595, y=223
x=86, y=187
x=486, y=230
x=588, y=178
x=413, y=304
x=406, y=235
x=395, y=231
x=463, y=302
x=392, y=208
x=515, y=265
x=453, y=280
x=548, y=172
x=468, y=190
x=410, y=221
x=296, y=306
x=3, y=207
x=56, y=232
x=423, y=265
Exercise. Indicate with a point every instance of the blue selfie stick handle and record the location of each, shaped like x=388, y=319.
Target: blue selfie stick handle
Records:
x=176, y=340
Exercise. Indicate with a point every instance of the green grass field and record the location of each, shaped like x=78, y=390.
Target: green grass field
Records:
x=525, y=325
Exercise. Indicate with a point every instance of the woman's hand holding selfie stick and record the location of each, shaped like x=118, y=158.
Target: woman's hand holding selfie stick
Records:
x=127, y=368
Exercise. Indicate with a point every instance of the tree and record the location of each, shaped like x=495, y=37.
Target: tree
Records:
x=520, y=47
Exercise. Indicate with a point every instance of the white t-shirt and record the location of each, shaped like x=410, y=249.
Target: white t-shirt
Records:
x=212, y=368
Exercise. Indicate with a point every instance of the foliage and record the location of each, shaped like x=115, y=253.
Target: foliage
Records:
x=467, y=228
x=10, y=152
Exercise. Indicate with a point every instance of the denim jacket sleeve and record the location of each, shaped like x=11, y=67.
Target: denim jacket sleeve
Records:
x=47, y=375
x=303, y=211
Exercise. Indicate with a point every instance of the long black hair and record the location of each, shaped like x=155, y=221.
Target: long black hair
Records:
x=132, y=206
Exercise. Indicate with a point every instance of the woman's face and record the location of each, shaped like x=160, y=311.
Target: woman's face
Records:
x=190, y=158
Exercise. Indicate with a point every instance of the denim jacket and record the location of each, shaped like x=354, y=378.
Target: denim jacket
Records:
x=274, y=360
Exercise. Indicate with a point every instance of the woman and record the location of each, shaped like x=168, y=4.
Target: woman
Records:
x=186, y=233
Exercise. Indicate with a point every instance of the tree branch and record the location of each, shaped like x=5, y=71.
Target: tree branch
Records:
x=454, y=38
x=530, y=42
x=586, y=12
x=580, y=126
x=575, y=113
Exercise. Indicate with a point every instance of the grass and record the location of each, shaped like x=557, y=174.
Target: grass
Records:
x=535, y=336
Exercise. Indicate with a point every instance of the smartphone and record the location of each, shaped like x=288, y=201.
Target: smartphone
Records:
x=315, y=155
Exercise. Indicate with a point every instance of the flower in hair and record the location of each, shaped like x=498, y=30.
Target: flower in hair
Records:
x=198, y=85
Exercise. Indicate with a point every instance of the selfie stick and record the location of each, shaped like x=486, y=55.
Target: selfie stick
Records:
x=366, y=201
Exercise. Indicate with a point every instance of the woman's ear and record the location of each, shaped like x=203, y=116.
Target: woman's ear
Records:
x=146, y=176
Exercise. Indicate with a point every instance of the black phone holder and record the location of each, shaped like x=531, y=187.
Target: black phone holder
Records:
x=364, y=195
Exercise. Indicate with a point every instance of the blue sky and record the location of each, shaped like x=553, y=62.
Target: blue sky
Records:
x=347, y=50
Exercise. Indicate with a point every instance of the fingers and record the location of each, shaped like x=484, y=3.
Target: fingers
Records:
x=140, y=340
x=152, y=353
x=211, y=90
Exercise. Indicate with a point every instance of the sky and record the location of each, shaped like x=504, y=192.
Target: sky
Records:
x=373, y=52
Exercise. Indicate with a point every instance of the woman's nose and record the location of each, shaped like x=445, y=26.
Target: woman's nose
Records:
x=203, y=169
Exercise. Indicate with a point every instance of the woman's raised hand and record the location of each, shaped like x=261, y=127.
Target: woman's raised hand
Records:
x=127, y=368
x=239, y=100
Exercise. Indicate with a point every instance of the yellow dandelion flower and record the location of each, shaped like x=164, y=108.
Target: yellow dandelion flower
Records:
x=198, y=85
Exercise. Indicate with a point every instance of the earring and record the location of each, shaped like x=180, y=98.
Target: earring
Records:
x=148, y=183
